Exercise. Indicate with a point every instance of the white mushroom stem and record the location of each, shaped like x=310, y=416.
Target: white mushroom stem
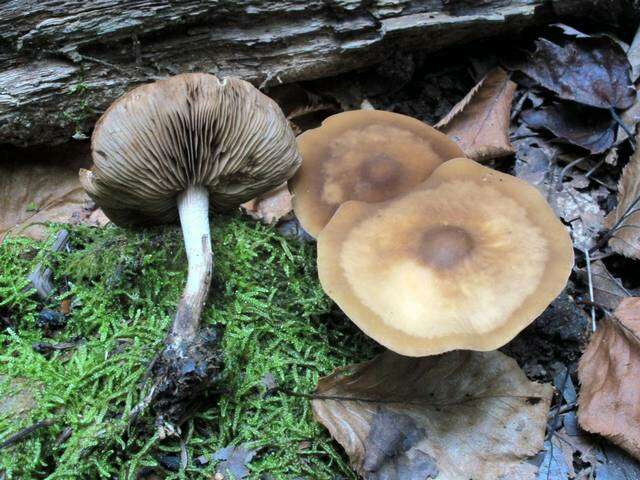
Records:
x=193, y=207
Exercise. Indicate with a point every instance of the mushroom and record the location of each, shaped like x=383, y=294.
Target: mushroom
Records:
x=366, y=155
x=465, y=261
x=175, y=147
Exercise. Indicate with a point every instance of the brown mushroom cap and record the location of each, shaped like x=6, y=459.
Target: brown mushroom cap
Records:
x=465, y=261
x=366, y=155
x=190, y=129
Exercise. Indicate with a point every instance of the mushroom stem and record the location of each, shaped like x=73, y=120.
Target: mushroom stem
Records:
x=193, y=207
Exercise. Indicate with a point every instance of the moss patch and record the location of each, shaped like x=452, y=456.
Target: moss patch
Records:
x=124, y=287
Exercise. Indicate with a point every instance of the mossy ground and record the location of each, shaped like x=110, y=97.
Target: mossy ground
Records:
x=123, y=287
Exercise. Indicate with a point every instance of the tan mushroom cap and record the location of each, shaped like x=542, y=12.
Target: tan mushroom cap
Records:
x=190, y=129
x=465, y=261
x=366, y=155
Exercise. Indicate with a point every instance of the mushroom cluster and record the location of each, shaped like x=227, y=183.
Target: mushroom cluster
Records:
x=425, y=252
x=178, y=148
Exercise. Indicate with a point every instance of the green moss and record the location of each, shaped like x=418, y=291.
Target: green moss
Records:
x=124, y=287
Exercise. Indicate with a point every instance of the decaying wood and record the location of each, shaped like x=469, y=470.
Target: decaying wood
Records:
x=63, y=62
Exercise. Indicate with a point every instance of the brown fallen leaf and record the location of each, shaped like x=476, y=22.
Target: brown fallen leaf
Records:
x=609, y=401
x=624, y=221
x=608, y=290
x=479, y=123
x=35, y=192
x=271, y=207
x=461, y=414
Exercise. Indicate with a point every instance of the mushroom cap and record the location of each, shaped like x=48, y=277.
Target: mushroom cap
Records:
x=366, y=155
x=465, y=261
x=191, y=129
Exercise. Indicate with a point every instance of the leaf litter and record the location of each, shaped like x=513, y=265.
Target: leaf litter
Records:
x=609, y=397
x=461, y=414
x=479, y=123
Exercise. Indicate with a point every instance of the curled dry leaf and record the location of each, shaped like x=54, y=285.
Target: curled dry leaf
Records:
x=589, y=70
x=608, y=371
x=479, y=123
x=271, y=207
x=33, y=193
x=624, y=221
x=462, y=414
x=589, y=128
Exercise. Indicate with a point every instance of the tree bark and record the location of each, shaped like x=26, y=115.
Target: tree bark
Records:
x=63, y=62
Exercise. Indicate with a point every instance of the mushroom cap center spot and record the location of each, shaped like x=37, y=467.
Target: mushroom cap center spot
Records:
x=379, y=170
x=445, y=246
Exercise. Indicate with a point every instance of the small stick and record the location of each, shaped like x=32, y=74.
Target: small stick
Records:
x=593, y=308
x=26, y=433
x=619, y=121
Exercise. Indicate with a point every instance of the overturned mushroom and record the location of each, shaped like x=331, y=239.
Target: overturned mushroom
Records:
x=171, y=149
x=366, y=155
x=465, y=261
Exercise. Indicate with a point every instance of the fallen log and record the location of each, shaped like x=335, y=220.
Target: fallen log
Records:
x=63, y=62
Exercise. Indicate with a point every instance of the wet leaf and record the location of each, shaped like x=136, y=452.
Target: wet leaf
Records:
x=589, y=128
x=32, y=193
x=465, y=414
x=479, y=123
x=624, y=220
x=271, y=207
x=557, y=463
x=234, y=461
x=590, y=70
x=608, y=371
x=615, y=464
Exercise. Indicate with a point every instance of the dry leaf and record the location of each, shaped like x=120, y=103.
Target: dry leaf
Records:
x=609, y=402
x=633, y=55
x=234, y=461
x=624, y=221
x=589, y=128
x=608, y=290
x=479, y=123
x=35, y=192
x=465, y=414
x=592, y=70
x=270, y=207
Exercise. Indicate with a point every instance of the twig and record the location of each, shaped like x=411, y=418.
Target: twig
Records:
x=26, y=432
x=567, y=167
x=593, y=309
x=619, y=121
x=594, y=168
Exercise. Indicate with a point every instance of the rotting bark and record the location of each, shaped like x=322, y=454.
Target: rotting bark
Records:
x=63, y=62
